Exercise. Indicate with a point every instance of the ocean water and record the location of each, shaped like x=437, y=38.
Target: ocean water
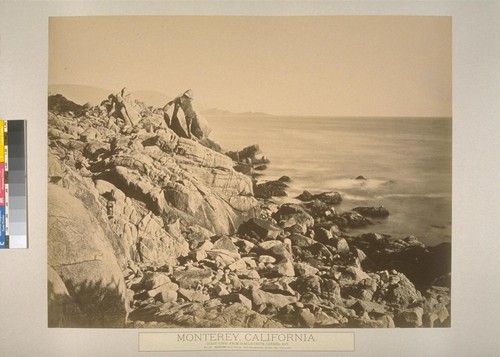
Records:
x=407, y=163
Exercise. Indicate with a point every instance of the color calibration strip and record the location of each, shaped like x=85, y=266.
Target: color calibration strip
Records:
x=13, y=198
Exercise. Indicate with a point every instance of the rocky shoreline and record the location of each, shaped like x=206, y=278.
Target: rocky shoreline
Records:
x=149, y=229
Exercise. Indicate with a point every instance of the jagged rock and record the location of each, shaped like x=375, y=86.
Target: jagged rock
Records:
x=166, y=141
x=412, y=241
x=308, y=283
x=289, y=215
x=225, y=243
x=249, y=153
x=239, y=264
x=193, y=295
x=304, y=269
x=306, y=318
x=198, y=235
x=223, y=256
x=323, y=235
x=329, y=198
x=212, y=314
x=79, y=253
x=168, y=295
x=270, y=189
x=266, y=259
x=310, y=298
x=237, y=298
x=330, y=288
x=362, y=306
x=351, y=220
x=305, y=196
x=264, y=229
x=324, y=320
x=168, y=291
x=220, y=289
x=366, y=323
x=357, y=274
x=260, y=297
x=375, y=212
x=301, y=241
x=409, y=318
x=155, y=246
x=253, y=274
x=55, y=168
x=198, y=254
x=284, y=268
x=403, y=293
x=342, y=246
x=192, y=277
x=275, y=249
x=245, y=246
x=278, y=287
x=152, y=280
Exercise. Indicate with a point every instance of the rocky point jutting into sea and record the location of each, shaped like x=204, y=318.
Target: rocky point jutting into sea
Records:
x=151, y=229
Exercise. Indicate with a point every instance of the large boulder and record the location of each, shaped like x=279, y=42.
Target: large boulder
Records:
x=270, y=189
x=62, y=310
x=83, y=259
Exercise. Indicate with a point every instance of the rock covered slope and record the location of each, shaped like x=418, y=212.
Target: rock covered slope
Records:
x=148, y=229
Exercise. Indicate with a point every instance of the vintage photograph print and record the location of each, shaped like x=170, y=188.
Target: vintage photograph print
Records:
x=249, y=172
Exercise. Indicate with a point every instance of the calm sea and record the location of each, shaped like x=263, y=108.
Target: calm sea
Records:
x=407, y=163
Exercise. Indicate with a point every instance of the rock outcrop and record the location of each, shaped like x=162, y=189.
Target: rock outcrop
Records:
x=151, y=229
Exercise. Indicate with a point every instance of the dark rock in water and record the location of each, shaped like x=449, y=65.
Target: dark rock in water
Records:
x=271, y=189
x=285, y=179
x=244, y=169
x=260, y=167
x=412, y=241
x=351, y=220
x=328, y=198
x=305, y=196
x=250, y=152
x=375, y=212
x=360, y=178
x=264, y=229
x=420, y=264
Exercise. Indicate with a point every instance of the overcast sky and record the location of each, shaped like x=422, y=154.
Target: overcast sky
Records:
x=335, y=66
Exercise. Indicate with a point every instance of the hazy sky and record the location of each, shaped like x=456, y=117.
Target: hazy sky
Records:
x=338, y=66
